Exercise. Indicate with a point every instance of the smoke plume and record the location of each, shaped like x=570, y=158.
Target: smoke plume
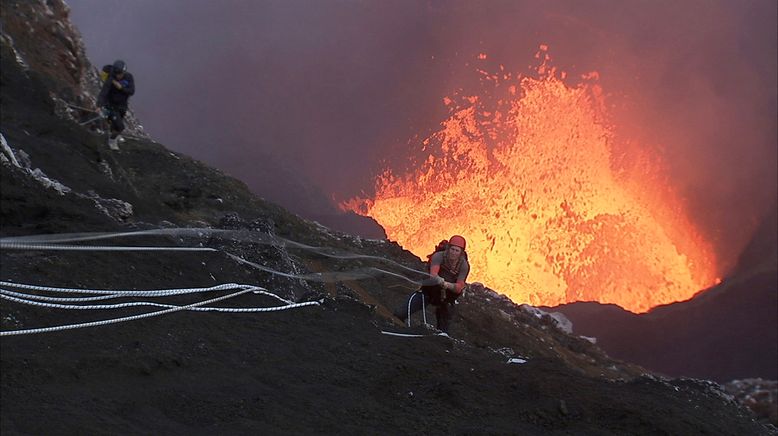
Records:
x=331, y=91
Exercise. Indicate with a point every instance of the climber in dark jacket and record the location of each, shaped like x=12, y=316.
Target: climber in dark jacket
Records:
x=448, y=271
x=118, y=86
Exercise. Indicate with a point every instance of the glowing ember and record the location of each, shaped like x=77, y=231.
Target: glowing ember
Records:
x=553, y=213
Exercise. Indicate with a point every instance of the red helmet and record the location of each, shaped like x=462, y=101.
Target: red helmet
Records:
x=458, y=241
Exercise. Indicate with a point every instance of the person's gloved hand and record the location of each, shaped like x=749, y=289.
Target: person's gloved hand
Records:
x=450, y=286
x=104, y=112
x=439, y=281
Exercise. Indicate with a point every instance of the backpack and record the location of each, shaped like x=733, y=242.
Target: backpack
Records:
x=105, y=73
x=442, y=245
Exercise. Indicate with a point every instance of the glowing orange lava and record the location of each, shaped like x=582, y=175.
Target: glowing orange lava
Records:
x=552, y=212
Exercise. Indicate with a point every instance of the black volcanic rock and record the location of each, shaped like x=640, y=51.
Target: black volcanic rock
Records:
x=316, y=369
x=759, y=395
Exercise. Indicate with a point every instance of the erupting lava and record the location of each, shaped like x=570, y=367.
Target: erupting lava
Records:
x=554, y=211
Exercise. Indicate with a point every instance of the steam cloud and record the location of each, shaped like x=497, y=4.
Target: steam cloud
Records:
x=332, y=90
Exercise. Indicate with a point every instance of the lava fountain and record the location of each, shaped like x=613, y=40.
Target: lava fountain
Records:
x=554, y=209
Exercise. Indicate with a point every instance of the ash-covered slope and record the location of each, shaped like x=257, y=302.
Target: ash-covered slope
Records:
x=727, y=332
x=326, y=368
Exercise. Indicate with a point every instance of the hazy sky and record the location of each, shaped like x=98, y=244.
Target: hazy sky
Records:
x=330, y=90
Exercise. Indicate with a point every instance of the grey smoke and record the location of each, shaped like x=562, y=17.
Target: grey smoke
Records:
x=332, y=90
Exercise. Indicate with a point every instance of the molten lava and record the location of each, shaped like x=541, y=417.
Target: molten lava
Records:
x=553, y=209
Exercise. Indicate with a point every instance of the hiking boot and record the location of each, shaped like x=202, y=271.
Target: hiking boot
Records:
x=113, y=144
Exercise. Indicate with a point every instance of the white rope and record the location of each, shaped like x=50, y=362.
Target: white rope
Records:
x=147, y=303
x=321, y=277
x=320, y=250
x=111, y=291
x=141, y=316
x=408, y=313
x=92, y=236
x=44, y=242
x=57, y=247
x=117, y=320
x=362, y=273
x=240, y=235
x=58, y=299
x=79, y=107
x=405, y=335
x=129, y=293
x=97, y=118
x=423, y=308
x=121, y=294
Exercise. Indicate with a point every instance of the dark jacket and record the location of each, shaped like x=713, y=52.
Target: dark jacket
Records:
x=113, y=97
